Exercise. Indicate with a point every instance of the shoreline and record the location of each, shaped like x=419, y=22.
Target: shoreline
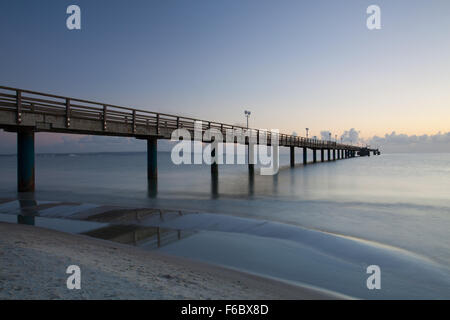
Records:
x=34, y=261
x=331, y=264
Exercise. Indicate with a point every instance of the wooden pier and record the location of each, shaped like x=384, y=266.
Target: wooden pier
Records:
x=27, y=112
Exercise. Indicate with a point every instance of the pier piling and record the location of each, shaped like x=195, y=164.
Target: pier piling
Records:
x=292, y=157
x=25, y=160
x=152, y=159
x=305, y=155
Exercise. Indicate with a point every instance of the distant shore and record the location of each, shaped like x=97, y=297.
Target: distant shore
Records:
x=34, y=261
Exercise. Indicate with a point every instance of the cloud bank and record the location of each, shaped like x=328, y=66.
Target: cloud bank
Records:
x=394, y=143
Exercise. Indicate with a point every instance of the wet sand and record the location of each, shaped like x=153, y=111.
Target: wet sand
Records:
x=33, y=262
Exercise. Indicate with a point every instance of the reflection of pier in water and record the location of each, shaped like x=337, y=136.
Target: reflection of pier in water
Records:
x=132, y=227
x=141, y=227
x=147, y=237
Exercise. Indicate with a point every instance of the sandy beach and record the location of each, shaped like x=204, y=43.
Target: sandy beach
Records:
x=33, y=262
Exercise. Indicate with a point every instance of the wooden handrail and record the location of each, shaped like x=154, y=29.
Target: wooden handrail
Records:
x=109, y=112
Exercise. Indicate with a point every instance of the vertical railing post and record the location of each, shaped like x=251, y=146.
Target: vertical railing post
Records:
x=19, y=106
x=67, y=113
x=157, y=123
x=134, y=121
x=105, y=117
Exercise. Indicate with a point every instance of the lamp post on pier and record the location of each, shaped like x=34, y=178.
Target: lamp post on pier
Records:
x=247, y=115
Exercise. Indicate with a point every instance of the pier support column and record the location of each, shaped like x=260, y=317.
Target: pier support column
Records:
x=215, y=172
x=152, y=159
x=25, y=161
x=214, y=164
x=214, y=168
x=292, y=157
x=251, y=157
x=322, y=155
x=251, y=183
x=334, y=154
x=305, y=155
x=314, y=155
x=328, y=154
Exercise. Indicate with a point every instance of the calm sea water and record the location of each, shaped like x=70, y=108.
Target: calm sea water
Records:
x=399, y=200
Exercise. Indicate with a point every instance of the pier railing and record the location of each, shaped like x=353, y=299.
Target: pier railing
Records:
x=25, y=101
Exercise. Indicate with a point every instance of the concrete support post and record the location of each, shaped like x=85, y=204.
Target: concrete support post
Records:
x=314, y=155
x=334, y=154
x=322, y=155
x=305, y=155
x=251, y=156
x=152, y=159
x=292, y=157
x=328, y=154
x=214, y=171
x=214, y=164
x=25, y=161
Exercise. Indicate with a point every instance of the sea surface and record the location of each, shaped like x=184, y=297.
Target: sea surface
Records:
x=333, y=218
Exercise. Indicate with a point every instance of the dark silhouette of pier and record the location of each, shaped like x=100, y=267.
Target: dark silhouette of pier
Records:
x=27, y=112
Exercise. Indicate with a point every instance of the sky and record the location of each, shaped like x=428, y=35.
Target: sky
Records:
x=294, y=64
